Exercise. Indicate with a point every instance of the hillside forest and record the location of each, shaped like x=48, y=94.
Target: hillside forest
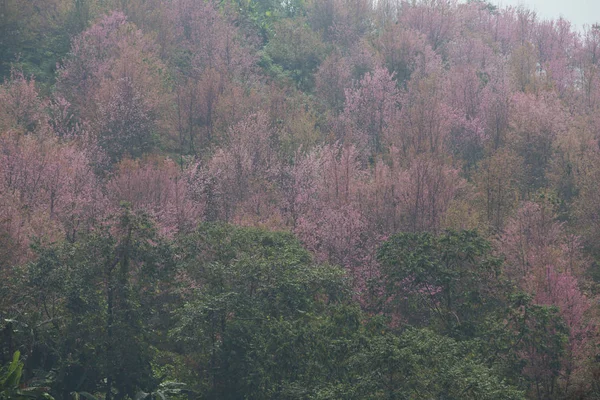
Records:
x=297, y=200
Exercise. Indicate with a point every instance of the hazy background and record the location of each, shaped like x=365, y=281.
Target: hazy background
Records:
x=579, y=12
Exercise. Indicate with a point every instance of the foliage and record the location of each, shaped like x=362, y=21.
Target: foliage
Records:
x=10, y=383
x=450, y=282
x=104, y=289
x=403, y=367
x=295, y=49
x=259, y=313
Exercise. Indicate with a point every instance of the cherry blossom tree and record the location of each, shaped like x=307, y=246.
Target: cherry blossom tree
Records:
x=22, y=108
x=124, y=122
x=532, y=240
x=382, y=201
x=113, y=81
x=426, y=121
x=556, y=45
x=543, y=259
x=160, y=188
x=92, y=54
x=498, y=180
x=404, y=51
x=212, y=40
x=236, y=179
x=429, y=191
x=332, y=225
x=50, y=189
x=216, y=57
x=370, y=110
x=436, y=19
x=561, y=289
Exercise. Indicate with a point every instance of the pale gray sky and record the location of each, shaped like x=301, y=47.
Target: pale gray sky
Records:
x=579, y=12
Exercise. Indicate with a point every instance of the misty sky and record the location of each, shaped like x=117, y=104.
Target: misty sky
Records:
x=579, y=12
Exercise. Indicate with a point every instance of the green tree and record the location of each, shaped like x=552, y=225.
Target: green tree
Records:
x=420, y=364
x=100, y=307
x=35, y=35
x=262, y=321
x=535, y=338
x=294, y=51
x=449, y=282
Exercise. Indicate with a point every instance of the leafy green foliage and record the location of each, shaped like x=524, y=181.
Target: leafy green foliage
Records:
x=101, y=296
x=165, y=390
x=294, y=50
x=10, y=383
x=35, y=36
x=261, y=15
x=260, y=314
x=235, y=313
x=263, y=322
x=420, y=364
x=540, y=336
x=450, y=282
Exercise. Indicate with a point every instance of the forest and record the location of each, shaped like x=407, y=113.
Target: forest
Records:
x=297, y=200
